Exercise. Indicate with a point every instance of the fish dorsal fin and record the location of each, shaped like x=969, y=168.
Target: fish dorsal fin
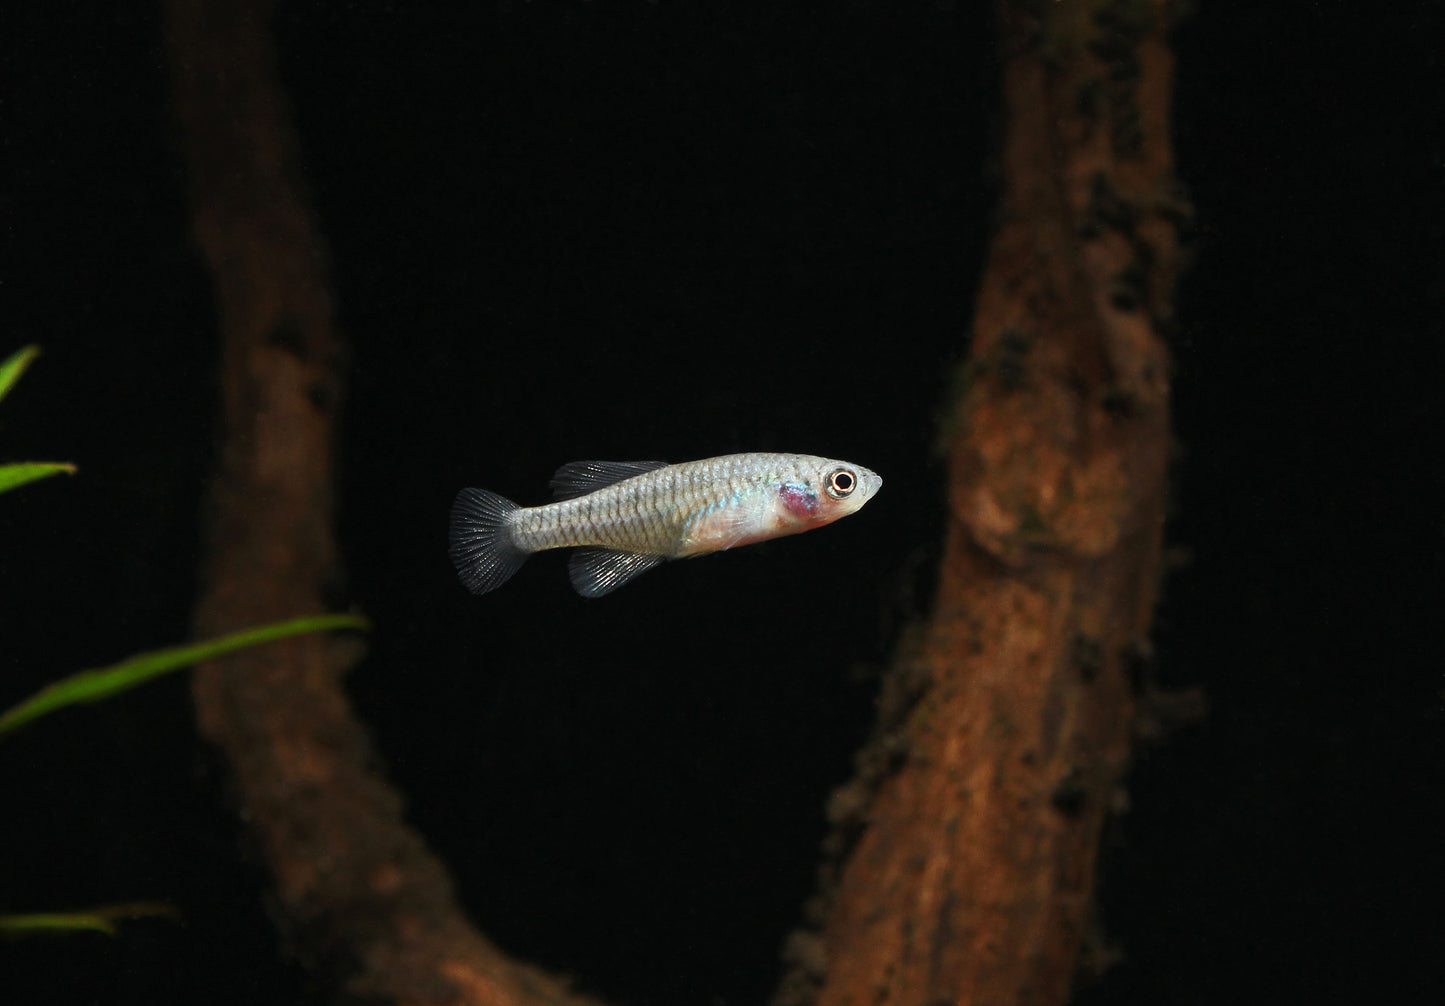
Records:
x=598, y=571
x=578, y=478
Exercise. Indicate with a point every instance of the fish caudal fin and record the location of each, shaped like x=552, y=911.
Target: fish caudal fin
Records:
x=482, y=548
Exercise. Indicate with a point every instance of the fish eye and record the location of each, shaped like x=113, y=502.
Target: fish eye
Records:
x=841, y=482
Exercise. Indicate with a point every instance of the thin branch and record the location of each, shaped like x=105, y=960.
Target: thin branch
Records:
x=364, y=899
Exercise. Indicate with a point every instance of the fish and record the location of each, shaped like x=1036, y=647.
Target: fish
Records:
x=625, y=517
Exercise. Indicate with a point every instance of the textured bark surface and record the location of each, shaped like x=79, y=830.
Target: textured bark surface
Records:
x=362, y=897
x=975, y=825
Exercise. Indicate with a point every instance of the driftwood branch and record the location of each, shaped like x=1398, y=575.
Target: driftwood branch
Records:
x=364, y=899
x=973, y=830
x=974, y=827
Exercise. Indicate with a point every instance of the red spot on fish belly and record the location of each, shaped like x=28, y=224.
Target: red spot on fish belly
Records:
x=799, y=501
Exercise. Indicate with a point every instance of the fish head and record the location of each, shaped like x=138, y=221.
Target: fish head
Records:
x=827, y=490
x=790, y=494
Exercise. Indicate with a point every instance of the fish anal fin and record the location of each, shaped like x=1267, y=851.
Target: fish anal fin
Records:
x=598, y=571
x=578, y=478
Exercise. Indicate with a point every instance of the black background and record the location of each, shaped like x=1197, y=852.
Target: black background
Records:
x=633, y=231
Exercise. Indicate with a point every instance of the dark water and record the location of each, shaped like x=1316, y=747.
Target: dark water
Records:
x=570, y=233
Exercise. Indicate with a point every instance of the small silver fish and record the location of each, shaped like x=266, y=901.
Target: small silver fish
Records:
x=624, y=517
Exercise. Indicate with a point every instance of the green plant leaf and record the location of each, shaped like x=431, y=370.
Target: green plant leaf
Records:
x=14, y=366
x=103, y=682
x=101, y=919
x=16, y=475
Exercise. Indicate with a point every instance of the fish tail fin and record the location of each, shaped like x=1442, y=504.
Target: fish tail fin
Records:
x=482, y=546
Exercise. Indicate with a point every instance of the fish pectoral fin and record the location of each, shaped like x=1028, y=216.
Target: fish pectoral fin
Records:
x=578, y=478
x=718, y=531
x=598, y=571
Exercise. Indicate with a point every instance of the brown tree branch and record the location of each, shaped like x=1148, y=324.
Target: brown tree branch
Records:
x=977, y=818
x=365, y=900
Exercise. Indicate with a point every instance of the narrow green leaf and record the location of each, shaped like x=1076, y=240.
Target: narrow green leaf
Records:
x=103, y=682
x=14, y=366
x=55, y=922
x=101, y=919
x=16, y=475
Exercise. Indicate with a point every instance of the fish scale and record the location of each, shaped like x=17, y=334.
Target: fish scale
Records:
x=626, y=517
